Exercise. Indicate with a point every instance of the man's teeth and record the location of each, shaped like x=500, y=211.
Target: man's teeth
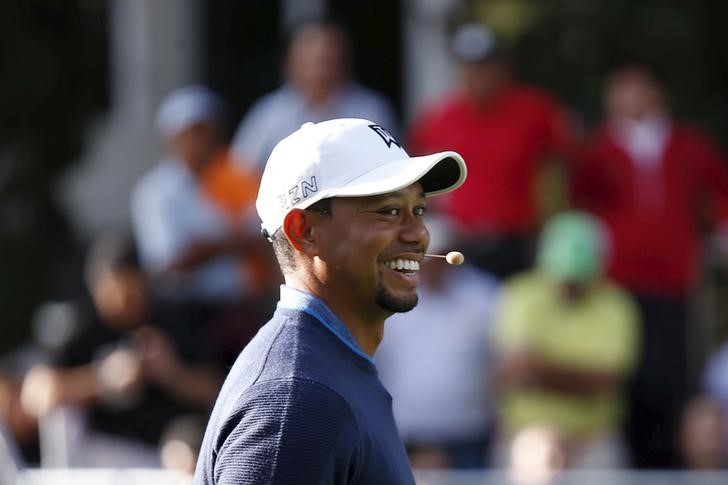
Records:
x=403, y=264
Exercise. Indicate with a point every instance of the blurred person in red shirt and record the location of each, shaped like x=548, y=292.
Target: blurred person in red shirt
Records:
x=655, y=181
x=506, y=130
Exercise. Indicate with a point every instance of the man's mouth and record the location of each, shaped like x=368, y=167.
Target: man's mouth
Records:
x=403, y=265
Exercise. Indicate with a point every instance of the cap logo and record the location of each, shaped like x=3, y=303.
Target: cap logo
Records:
x=385, y=135
x=302, y=190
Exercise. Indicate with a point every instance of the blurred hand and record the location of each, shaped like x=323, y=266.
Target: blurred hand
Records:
x=120, y=373
x=159, y=360
x=40, y=390
x=515, y=368
x=21, y=424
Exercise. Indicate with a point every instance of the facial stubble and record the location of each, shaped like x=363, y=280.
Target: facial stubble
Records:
x=397, y=304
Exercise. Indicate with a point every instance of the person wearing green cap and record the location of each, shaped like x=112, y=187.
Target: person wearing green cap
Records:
x=566, y=339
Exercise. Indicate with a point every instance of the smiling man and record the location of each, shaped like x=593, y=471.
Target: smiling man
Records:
x=343, y=205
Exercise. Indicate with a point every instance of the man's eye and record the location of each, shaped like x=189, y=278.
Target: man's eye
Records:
x=390, y=211
x=420, y=211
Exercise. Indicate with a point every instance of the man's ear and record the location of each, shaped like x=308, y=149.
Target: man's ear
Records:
x=298, y=228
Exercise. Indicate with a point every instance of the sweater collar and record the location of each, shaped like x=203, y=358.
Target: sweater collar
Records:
x=294, y=299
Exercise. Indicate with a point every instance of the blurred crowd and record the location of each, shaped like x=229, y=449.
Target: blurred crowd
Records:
x=564, y=342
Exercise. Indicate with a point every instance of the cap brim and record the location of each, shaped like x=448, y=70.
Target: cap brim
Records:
x=438, y=173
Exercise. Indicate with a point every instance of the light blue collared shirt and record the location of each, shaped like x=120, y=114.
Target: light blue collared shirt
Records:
x=169, y=212
x=294, y=299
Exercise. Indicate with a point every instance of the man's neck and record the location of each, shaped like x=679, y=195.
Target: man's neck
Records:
x=366, y=325
x=368, y=337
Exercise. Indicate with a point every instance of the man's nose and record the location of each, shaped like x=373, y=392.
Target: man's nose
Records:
x=414, y=230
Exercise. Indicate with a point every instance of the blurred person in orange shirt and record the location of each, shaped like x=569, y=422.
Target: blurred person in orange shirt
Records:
x=193, y=214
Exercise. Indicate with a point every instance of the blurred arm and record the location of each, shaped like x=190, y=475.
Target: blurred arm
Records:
x=200, y=251
x=197, y=385
x=522, y=369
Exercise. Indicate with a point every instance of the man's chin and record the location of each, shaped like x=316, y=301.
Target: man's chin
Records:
x=396, y=303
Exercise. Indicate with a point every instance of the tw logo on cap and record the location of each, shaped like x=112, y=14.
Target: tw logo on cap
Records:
x=385, y=135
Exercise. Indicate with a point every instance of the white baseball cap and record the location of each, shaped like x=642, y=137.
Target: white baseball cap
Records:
x=346, y=158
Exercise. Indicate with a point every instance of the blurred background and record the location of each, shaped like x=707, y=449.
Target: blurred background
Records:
x=82, y=81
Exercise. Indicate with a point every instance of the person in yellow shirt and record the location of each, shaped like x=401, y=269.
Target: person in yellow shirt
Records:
x=566, y=340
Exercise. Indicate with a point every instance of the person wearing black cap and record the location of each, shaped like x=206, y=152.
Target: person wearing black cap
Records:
x=343, y=205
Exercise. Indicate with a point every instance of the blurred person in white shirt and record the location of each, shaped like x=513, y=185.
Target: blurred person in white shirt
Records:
x=318, y=86
x=434, y=360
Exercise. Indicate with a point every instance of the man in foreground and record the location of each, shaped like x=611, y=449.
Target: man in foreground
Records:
x=343, y=205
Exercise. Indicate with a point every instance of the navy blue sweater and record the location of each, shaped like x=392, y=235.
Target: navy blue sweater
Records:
x=301, y=406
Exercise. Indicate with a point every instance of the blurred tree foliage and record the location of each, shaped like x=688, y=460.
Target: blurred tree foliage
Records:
x=54, y=76
x=569, y=46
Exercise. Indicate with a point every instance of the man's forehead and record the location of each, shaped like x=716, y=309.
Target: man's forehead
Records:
x=413, y=191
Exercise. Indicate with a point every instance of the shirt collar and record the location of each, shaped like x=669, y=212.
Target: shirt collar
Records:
x=294, y=299
x=177, y=168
